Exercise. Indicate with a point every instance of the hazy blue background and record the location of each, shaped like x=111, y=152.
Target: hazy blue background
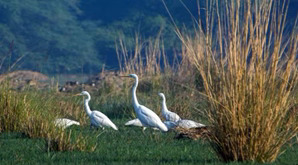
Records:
x=78, y=36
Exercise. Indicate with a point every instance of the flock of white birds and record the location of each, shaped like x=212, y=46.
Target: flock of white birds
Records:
x=145, y=116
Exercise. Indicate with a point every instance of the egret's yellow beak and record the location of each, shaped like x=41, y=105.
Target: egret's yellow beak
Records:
x=124, y=76
x=79, y=94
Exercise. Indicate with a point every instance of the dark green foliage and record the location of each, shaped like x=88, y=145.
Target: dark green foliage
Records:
x=74, y=36
x=78, y=36
x=46, y=34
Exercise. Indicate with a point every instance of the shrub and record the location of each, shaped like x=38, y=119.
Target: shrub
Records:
x=249, y=71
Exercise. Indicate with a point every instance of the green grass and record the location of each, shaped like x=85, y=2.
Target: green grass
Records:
x=126, y=146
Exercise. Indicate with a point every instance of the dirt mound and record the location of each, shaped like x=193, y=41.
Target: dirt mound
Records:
x=103, y=80
x=22, y=78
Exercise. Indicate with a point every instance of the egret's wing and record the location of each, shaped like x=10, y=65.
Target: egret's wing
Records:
x=135, y=122
x=64, y=122
x=147, y=116
x=103, y=120
x=171, y=116
x=189, y=124
x=60, y=123
x=97, y=118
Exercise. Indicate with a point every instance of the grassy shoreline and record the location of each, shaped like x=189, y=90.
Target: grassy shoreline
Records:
x=128, y=146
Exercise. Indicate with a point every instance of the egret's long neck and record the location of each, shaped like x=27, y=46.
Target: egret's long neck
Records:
x=134, y=94
x=164, y=105
x=86, y=103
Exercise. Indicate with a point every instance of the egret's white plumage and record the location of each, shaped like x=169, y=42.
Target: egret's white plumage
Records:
x=137, y=122
x=168, y=115
x=64, y=122
x=147, y=117
x=97, y=118
x=134, y=122
x=189, y=124
x=184, y=123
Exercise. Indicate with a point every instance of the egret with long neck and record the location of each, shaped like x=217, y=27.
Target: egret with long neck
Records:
x=168, y=115
x=147, y=117
x=97, y=119
x=86, y=103
x=135, y=102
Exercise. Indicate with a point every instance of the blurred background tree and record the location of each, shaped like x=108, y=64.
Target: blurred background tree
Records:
x=76, y=36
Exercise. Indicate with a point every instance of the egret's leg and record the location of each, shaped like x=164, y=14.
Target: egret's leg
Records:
x=154, y=130
x=143, y=130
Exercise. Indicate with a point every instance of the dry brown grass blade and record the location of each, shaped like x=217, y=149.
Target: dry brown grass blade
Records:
x=249, y=70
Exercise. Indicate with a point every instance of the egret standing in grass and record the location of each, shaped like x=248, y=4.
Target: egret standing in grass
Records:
x=97, y=118
x=168, y=115
x=147, y=117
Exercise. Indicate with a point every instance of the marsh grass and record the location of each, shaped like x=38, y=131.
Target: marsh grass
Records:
x=33, y=114
x=69, y=141
x=11, y=108
x=249, y=71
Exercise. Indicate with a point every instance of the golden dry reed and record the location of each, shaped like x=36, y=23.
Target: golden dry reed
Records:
x=148, y=58
x=248, y=64
x=145, y=59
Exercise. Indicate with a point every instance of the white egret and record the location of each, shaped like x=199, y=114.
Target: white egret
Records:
x=147, y=117
x=64, y=123
x=168, y=115
x=137, y=122
x=97, y=118
x=189, y=124
x=184, y=123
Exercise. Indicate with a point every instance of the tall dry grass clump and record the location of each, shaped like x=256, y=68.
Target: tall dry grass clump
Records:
x=248, y=64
